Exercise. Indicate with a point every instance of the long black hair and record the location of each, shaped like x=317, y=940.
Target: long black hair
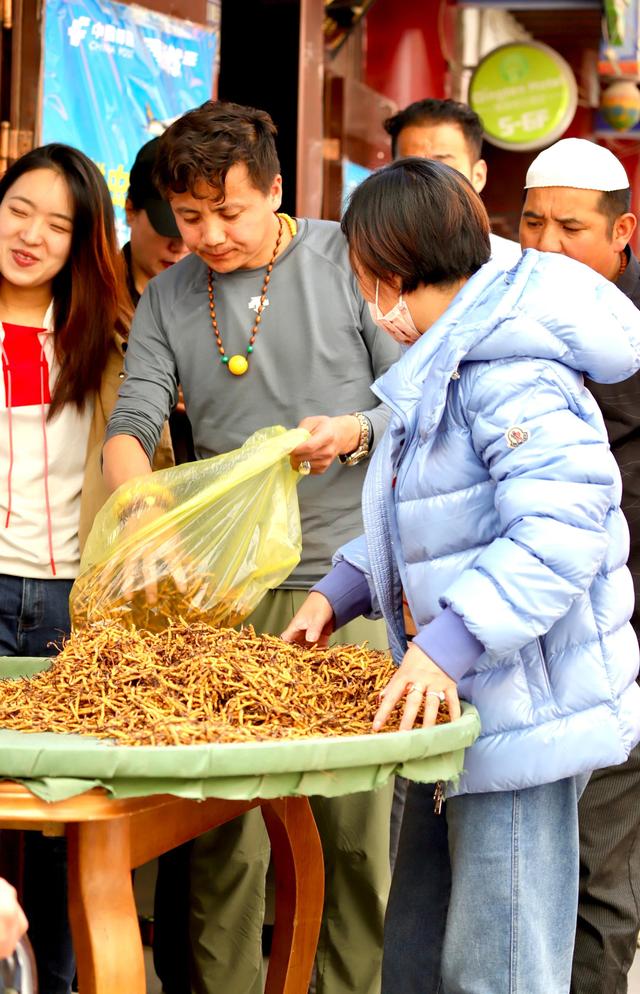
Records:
x=90, y=299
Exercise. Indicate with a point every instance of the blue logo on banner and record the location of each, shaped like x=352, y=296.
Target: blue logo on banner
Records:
x=116, y=76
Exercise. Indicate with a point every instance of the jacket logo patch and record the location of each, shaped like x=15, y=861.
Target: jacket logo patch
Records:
x=516, y=436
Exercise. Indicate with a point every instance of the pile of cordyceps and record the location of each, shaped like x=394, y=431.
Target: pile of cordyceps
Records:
x=192, y=683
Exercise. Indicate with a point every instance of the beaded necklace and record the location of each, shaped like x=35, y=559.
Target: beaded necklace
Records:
x=239, y=364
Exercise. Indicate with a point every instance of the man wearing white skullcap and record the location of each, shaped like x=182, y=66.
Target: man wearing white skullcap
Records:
x=577, y=203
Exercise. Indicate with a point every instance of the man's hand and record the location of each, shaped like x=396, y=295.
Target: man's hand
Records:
x=154, y=561
x=419, y=680
x=330, y=438
x=312, y=624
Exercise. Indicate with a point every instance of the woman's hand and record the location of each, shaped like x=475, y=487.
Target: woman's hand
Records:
x=13, y=923
x=313, y=623
x=330, y=438
x=419, y=680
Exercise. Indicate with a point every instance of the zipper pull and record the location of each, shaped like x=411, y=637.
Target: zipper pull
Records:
x=439, y=797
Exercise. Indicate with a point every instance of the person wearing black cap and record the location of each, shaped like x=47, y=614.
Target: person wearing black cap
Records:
x=154, y=246
x=155, y=242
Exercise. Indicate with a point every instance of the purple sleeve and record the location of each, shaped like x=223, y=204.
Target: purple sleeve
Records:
x=347, y=590
x=450, y=644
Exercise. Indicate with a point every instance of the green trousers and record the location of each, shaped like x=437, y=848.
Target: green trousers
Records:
x=229, y=866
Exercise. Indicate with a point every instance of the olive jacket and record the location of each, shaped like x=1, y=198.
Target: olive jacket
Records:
x=94, y=491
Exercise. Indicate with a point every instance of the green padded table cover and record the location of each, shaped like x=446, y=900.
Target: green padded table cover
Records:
x=55, y=766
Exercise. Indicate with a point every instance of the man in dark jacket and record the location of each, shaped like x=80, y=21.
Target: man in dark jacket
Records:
x=577, y=203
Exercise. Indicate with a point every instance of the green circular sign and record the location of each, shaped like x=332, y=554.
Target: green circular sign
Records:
x=525, y=94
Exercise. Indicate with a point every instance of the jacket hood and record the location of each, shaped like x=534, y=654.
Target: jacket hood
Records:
x=546, y=307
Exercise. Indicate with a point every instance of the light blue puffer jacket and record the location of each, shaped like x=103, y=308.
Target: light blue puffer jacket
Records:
x=518, y=531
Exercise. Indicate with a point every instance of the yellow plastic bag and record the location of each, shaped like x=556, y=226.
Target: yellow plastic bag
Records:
x=204, y=540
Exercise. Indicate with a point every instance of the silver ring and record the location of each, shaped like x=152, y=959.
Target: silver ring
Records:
x=415, y=688
x=304, y=468
x=440, y=694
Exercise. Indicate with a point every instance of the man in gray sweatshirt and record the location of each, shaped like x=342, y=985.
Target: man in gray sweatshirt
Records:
x=263, y=325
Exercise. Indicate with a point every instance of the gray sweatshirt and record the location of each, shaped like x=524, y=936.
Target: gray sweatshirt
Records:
x=317, y=352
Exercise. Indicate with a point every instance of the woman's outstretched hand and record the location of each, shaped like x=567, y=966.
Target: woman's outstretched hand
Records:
x=313, y=623
x=420, y=681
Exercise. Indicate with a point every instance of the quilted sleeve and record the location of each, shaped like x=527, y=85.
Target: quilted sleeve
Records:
x=555, y=481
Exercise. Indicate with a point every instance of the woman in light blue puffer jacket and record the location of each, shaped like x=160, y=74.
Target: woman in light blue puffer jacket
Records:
x=493, y=502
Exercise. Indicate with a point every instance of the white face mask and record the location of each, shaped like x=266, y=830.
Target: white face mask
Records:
x=397, y=322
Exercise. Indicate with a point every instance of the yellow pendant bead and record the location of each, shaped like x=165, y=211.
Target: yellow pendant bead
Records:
x=238, y=365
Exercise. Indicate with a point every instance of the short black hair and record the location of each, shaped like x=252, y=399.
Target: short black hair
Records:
x=206, y=142
x=613, y=203
x=417, y=220
x=432, y=111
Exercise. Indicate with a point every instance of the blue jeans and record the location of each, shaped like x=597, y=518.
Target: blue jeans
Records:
x=34, y=614
x=507, y=924
x=416, y=917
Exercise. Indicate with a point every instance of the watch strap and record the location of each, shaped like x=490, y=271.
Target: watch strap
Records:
x=364, y=443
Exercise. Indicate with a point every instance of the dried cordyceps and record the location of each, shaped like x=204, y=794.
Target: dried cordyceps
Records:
x=192, y=683
x=200, y=601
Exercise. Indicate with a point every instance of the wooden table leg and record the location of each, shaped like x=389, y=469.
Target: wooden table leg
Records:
x=102, y=909
x=299, y=869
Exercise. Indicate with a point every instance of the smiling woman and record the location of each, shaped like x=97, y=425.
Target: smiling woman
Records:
x=64, y=313
x=46, y=222
x=58, y=252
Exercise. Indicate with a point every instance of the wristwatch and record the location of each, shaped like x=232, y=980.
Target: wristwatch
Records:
x=364, y=442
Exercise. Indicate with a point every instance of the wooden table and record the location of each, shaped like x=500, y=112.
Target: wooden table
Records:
x=107, y=838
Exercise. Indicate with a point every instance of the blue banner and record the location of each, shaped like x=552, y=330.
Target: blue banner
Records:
x=116, y=76
x=352, y=176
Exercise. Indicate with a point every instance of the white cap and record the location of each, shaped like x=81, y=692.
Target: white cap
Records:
x=577, y=163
